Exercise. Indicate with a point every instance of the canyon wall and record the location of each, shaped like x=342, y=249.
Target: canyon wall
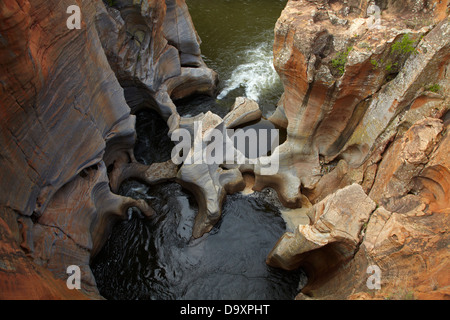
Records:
x=67, y=133
x=366, y=111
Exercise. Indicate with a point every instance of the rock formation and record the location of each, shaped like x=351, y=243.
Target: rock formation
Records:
x=243, y=111
x=365, y=104
x=215, y=177
x=155, y=60
x=335, y=222
x=67, y=133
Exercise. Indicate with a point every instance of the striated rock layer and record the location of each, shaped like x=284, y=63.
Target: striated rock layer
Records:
x=67, y=133
x=366, y=112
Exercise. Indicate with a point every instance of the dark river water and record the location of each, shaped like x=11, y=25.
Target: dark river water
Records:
x=156, y=258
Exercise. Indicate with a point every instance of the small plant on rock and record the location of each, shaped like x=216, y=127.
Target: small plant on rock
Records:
x=404, y=46
x=340, y=60
x=111, y=3
x=433, y=88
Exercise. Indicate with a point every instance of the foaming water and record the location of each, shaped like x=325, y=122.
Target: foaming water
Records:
x=256, y=74
x=237, y=42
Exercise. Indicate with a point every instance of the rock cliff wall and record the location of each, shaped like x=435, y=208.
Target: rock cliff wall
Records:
x=366, y=111
x=66, y=130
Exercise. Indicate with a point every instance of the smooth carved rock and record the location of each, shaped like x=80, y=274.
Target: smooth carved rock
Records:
x=54, y=127
x=59, y=135
x=180, y=32
x=48, y=120
x=164, y=63
x=65, y=119
x=372, y=124
x=410, y=250
x=405, y=237
x=211, y=179
x=243, y=111
x=77, y=222
x=338, y=220
x=209, y=182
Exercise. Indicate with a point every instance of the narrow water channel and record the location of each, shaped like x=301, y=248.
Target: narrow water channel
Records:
x=237, y=42
x=157, y=259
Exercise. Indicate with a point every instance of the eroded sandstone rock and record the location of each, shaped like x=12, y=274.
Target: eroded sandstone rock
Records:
x=24, y=280
x=348, y=88
x=356, y=110
x=209, y=182
x=405, y=159
x=360, y=110
x=159, y=60
x=337, y=220
x=66, y=127
x=243, y=111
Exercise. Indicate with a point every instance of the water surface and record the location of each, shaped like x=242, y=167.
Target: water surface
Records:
x=157, y=258
x=237, y=42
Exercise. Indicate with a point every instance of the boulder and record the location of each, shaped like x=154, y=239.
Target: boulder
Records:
x=243, y=111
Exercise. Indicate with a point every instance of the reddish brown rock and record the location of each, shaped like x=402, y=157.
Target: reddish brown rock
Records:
x=405, y=159
x=347, y=89
x=21, y=279
x=65, y=118
x=157, y=60
x=336, y=223
x=355, y=111
x=406, y=238
x=371, y=124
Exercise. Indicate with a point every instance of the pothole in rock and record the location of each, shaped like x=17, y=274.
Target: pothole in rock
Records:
x=156, y=259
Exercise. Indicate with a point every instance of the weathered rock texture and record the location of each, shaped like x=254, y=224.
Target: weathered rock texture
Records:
x=365, y=109
x=341, y=97
x=366, y=105
x=66, y=127
x=243, y=111
x=335, y=221
x=211, y=179
x=155, y=59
